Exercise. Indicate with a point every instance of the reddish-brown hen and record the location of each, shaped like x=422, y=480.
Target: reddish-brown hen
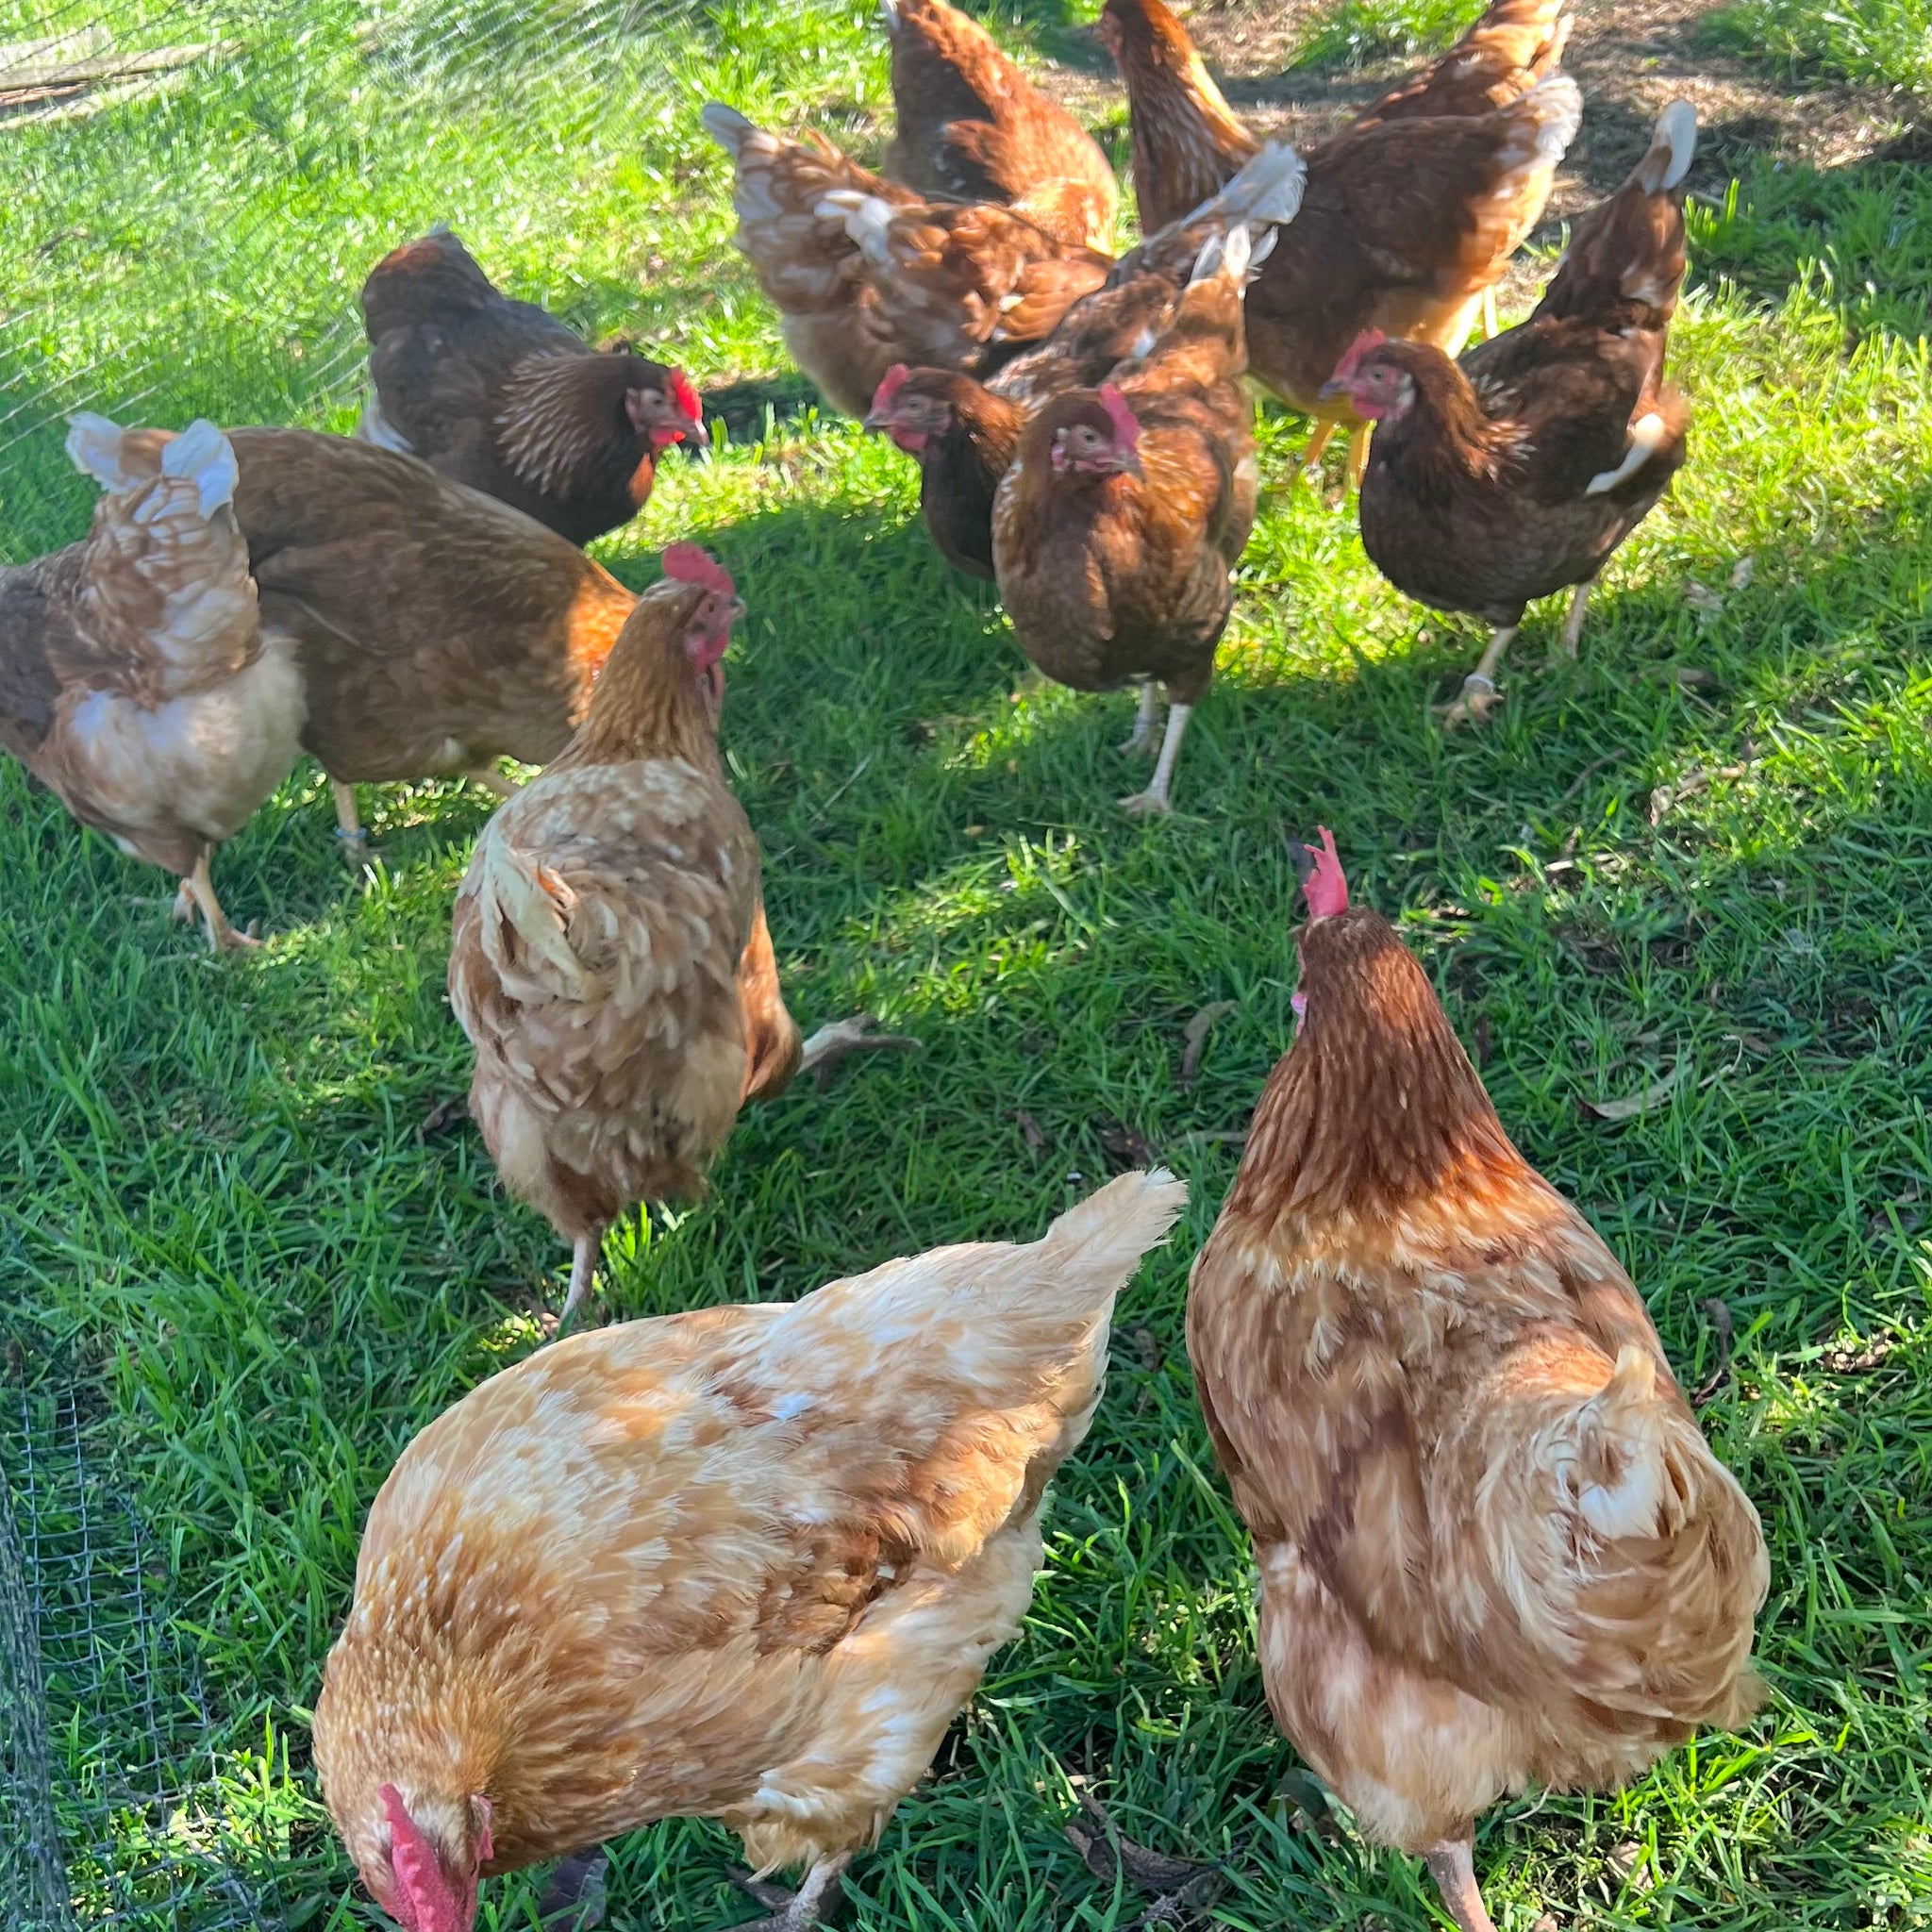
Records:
x=139, y=680
x=1404, y=224
x=504, y=397
x=1517, y=471
x=437, y=630
x=1125, y=509
x=1513, y=45
x=970, y=125
x=1495, y=1549
x=745, y=1564
x=602, y=930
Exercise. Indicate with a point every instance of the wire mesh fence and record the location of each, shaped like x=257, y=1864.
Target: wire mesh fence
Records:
x=115, y=1810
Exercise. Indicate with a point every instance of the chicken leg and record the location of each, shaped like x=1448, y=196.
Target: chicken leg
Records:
x=1573, y=625
x=1143, y=719
x=1155, y=798
x=1317, y=443
x=1452, y=1865
x=348, y=819
x=199, y=887
x=583, y=1270
x=797, y=1911
x=1479, y=695
x=492, y=780
x=830, y=1045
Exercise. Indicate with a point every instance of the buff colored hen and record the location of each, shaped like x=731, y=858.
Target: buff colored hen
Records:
x=745, y=1564
x=137, y=678
x=1495, y=1549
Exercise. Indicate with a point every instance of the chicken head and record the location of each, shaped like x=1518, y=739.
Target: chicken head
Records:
x=707, y=633
x=1371, y=379
x=668, y=413
x=909, y=416
x=1098, y=435
x=432, y=1874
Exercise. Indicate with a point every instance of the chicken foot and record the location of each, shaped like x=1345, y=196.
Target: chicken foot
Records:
x=792, y=1912
x=1155, y=798
x=1479, y=695
x=823, y=1053
x=1143, y=719
x=197, y=895
x=1452, y=1865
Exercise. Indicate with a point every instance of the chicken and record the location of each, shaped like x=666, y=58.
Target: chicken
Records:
x=972, y=126
x=865, y=274
x=139, y=680
x=1125, y=509
x=744, y=1563
x=1404, y=223
x=964, y=433
x=600, y=932
x=1513, y=45
x=437, y=631
x=504, y=397
x=1515, y=473
x=1494, y=1548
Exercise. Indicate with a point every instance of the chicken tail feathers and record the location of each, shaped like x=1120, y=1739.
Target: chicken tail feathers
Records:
x=1095, y=1245
x=1267, y=190
x=203, y=456
x=523, y=922
x=727, y=127
x=96, y=448
x=1672, y=147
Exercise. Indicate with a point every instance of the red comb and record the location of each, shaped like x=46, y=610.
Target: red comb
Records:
x=890, y=385
x=690, y=565
x=1326, y=888
x=1369, y=339
x=685, y=396
x=1126, y=425
x=420, y=1875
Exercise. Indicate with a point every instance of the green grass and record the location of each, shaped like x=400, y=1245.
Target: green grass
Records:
x=218, y=1212
x=1886, y=42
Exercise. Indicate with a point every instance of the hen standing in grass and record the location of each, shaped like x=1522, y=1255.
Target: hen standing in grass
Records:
x=1495, y=1549
x=745, y=1564
x=502, y=396
x=970, y=125
x=138, y=679
x=601, y=931
x=1518, y=471
x=1125, y=509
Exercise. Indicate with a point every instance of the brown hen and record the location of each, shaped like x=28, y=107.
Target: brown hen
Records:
x=138, y=679
x=602, y=931
x=1494, y=1547
x=1125, y=509
x=972, y=126
x=1407, y=219
x=1517, y=471
x=745, y=1564
x=502, y=396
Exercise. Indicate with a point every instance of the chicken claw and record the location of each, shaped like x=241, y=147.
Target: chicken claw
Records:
x=1478, y=699
x=198, y=888
x=797, y=1911
x=830, y=1045
x=1154, y=800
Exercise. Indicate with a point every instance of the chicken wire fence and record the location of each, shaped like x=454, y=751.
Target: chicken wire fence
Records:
x=115, y=1810
x=194, y=161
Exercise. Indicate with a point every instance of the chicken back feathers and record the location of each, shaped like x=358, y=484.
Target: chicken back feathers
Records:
x=1495, y=1547
x=437, y=630
x=972, y=126
x=1513, y=45
x=137, y=679
x=597, y=945
x=744, y=1563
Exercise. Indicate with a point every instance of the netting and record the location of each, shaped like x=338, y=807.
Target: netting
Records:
x=194, y=189
x=115, y=1809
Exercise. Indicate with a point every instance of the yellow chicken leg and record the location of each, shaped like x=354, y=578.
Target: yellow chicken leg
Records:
x=492, y=780
x=200, y=886
x=1317, y=443
x=1452, y=1865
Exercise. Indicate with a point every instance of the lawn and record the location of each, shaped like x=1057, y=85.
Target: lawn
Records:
x=243, y=1257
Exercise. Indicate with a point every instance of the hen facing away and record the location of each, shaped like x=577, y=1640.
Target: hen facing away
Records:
x=1494, y=1548
x=745, y=1564
x=502, y=396
x=1517, y=471
x=138, y=679
x=964, y=433
x=972, y=126
x=1125, y=509
x=1406, y=222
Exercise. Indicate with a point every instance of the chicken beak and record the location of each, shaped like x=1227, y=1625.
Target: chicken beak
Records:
x=696, y=435
x=1333, y=393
